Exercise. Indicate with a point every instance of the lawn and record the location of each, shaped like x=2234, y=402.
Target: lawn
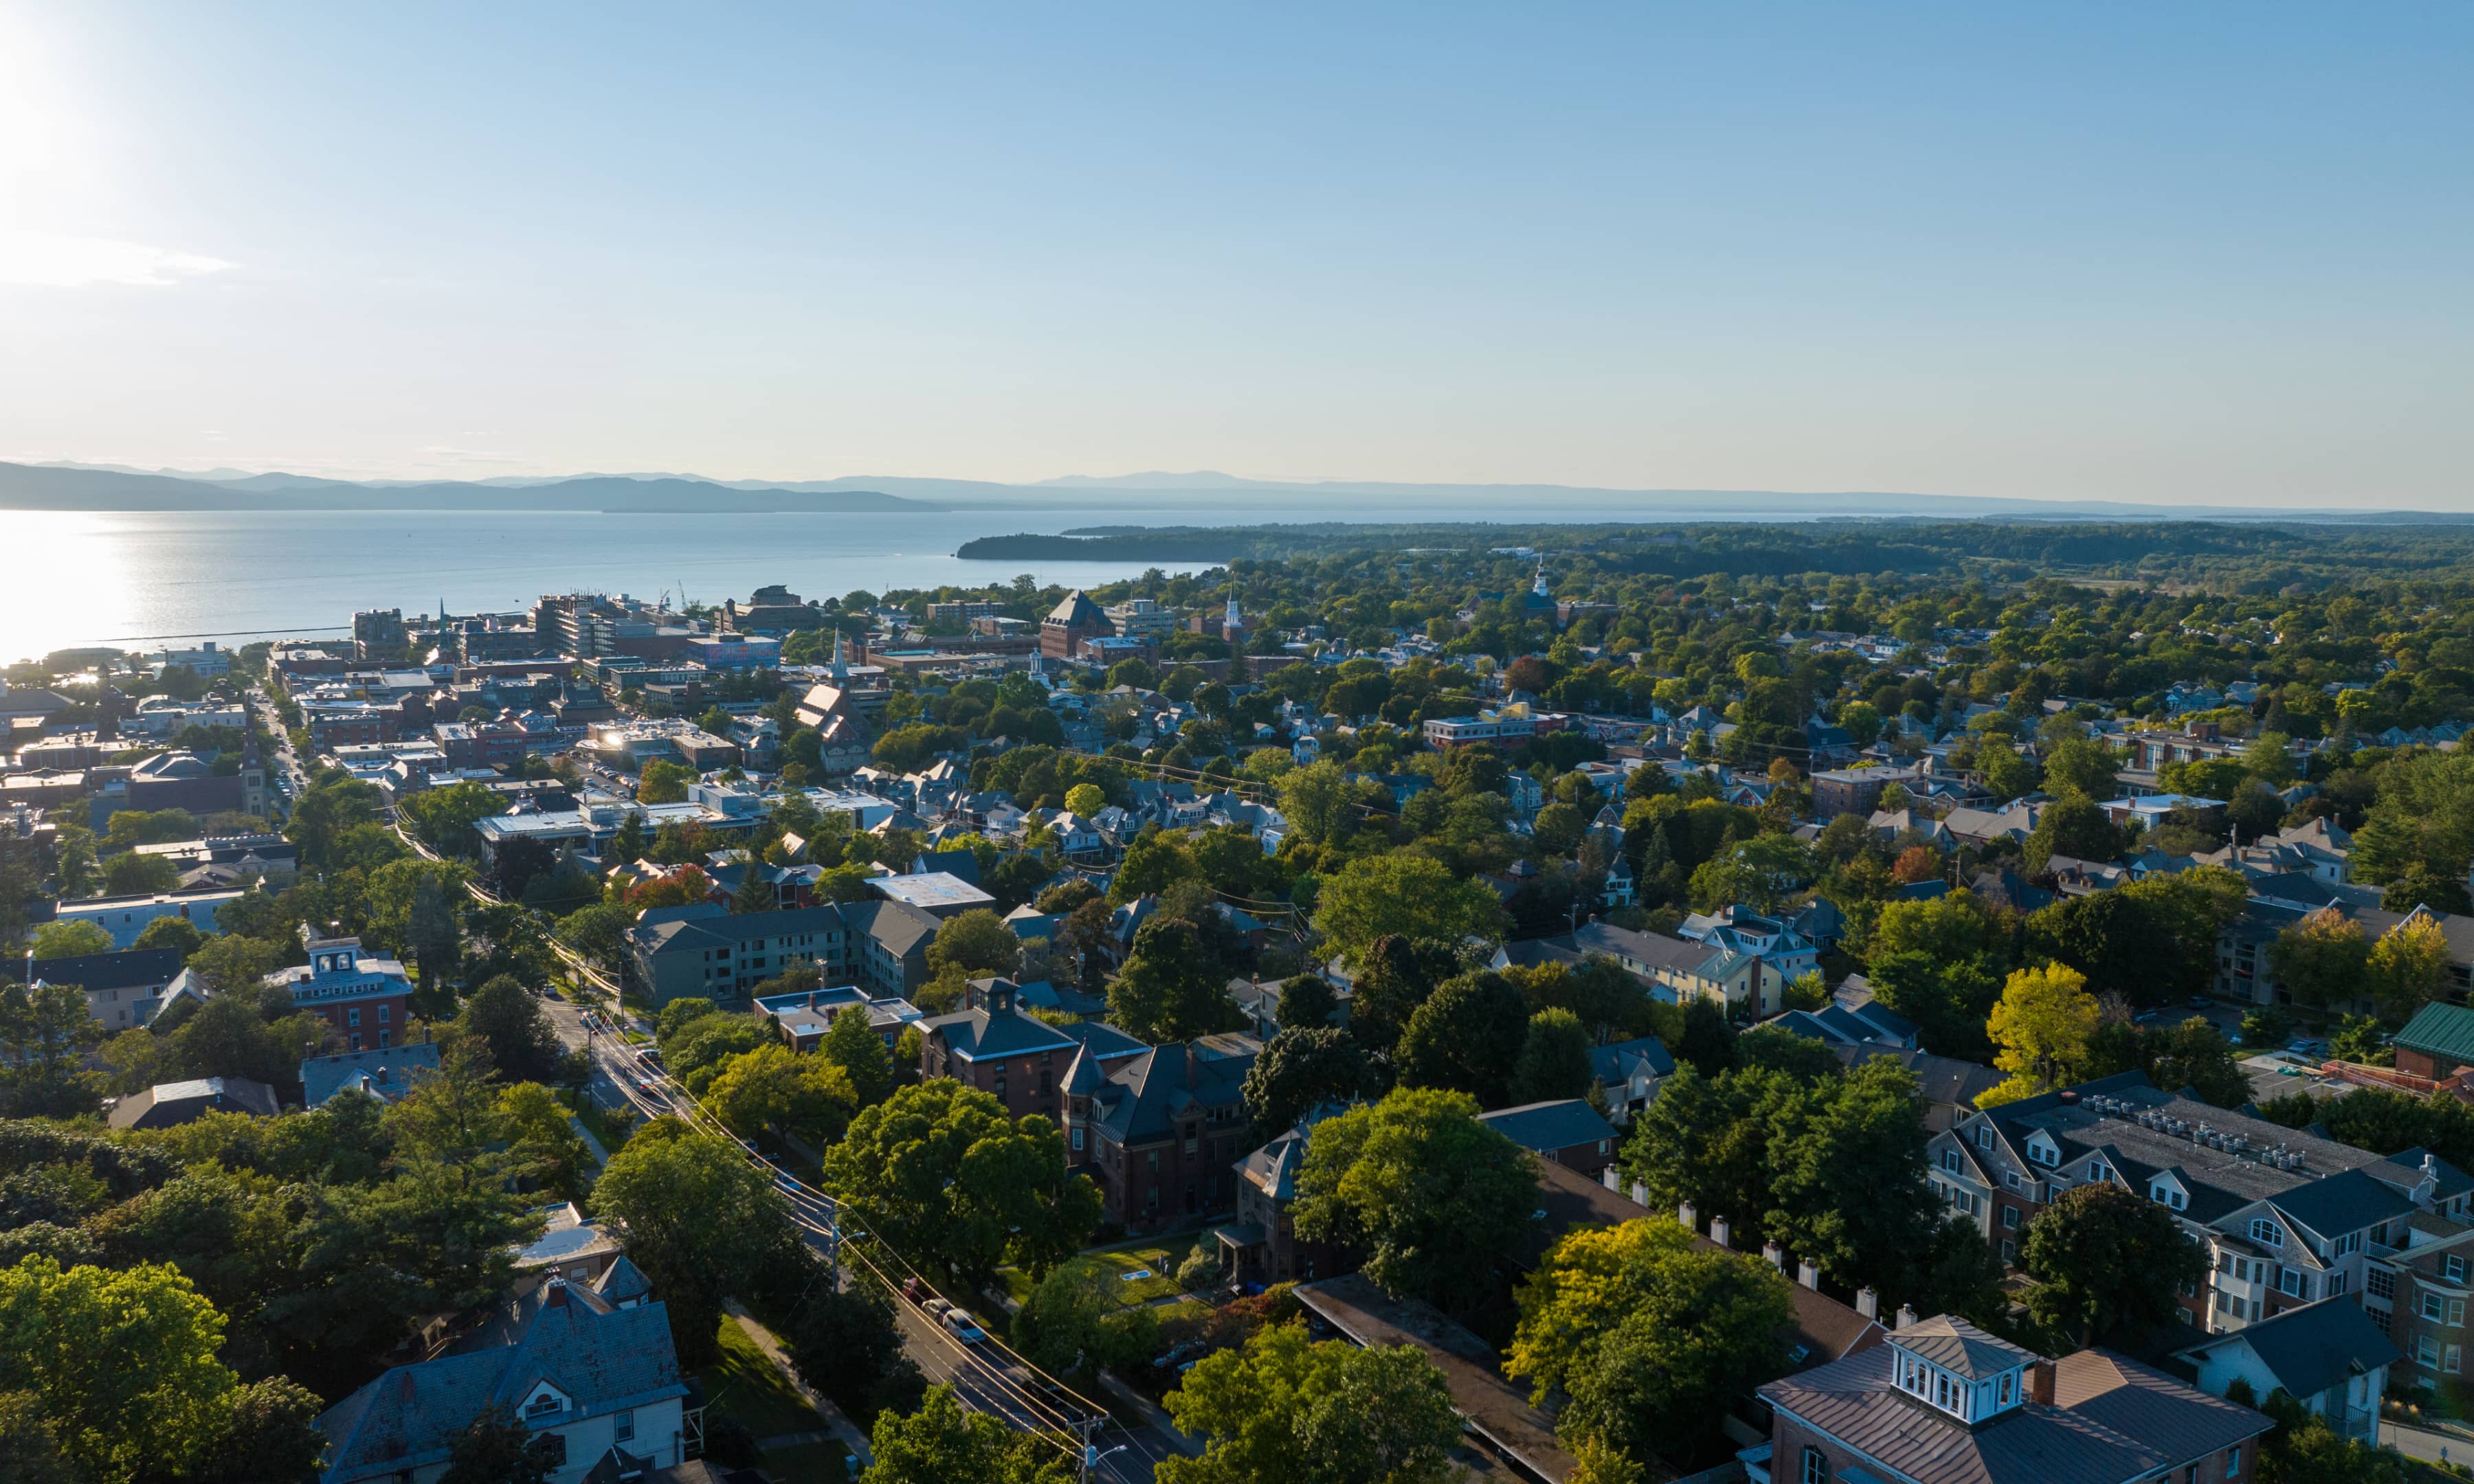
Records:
x=743, y=1385
x=1155, y=1258
x=809, y=1463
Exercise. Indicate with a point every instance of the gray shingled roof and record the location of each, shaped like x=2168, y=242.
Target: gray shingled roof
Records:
x=2313, y=1348
x=1559, y=1124
x=406, y=1418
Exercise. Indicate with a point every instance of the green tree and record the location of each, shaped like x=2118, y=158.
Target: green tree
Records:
x=942, y=1444
x=663, y=781
x=2320, y=960
x=1430, y=1194
x=1762, y=873
x=2070, y=825
x=805, y=1097
x=1299, y=1071
x=177, y=934
x=1411, y=896
x=1285, y=1410
x=1554, y=1059
x=938, y=1171
x=1172, y=987
x=853, y=1044
x=122, y=1363
x=497, y=1447
x=2107, y=1264
x=1650, y=1338
x=848, y=1346
x=1394, y=976
x=545, y=1136
x=1307, y=1003
x=973, y=944
x=703, y=1046
x=697, y=1218
x=70, y=939
x=2082, y=766
x=1085, y=800
x=509, y=1020
x=45, y=1032
x=1466, y=1036
x=131, y=875
x=1072, y=1319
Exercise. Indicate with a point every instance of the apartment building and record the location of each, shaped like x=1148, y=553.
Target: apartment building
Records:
x=2287, y=1217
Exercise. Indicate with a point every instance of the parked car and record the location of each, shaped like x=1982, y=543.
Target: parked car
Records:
x=959, y=1325
x=936, y=1309
x=915, y=1291
x=2202, y=1002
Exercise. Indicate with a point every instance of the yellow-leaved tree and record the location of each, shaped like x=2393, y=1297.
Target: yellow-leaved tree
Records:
x=2040, y=1028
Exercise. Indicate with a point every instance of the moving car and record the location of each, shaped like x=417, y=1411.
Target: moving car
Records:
x=959, y=1325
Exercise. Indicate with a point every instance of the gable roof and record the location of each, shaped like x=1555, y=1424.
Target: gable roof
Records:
x=2440, y=1030
x=128, y=970
x=2348, y=1201
x=2313, y=1348
x=1614, y=1061
x=407, y=1418
x=1559, y=1124
x=386, y=1073
x=981, y=1032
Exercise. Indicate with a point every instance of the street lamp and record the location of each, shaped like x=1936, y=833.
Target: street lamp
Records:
x=1093, y=1458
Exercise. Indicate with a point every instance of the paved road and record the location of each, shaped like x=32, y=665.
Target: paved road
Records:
x=983, y=1377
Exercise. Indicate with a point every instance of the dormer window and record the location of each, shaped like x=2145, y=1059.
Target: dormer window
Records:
x=544, y=1403
x=2165, y=1195
x=2265, y=1232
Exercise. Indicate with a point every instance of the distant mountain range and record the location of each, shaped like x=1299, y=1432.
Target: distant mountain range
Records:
x=1172, y=498
x=53, y=487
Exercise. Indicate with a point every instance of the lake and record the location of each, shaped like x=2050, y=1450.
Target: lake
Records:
x=140, y=578
x=130, y=578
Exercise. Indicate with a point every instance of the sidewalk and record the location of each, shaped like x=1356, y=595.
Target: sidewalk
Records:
x=838, y=1426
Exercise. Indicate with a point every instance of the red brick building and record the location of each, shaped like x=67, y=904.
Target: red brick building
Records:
x=1164, y=1129
x=1016, y=1058
x=363, y=997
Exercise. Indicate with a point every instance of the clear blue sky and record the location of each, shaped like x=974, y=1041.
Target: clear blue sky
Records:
x=2179, y=252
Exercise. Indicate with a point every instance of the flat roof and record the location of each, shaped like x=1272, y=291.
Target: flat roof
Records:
x=930, y=889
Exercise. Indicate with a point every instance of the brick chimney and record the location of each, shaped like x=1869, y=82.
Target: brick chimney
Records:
x=556, y=1297
x=1868, y=1303
x=2040, y=1384
x=1773, y=1255
x=1907, y=1317
x=1807, y=1275
x=1690, y=1218
x=1718, y=1230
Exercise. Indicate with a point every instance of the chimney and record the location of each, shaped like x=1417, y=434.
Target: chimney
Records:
x=1807, y=1275
x=556, y=1297
x=1718, y=1230
x=1907, y=1317
x=1610, y=1178
x=1773, y=1255
x=1868, y=1303
x=1639, y=1194
x=2040, y=1384
x=1690, y=1218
